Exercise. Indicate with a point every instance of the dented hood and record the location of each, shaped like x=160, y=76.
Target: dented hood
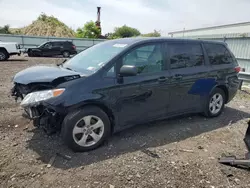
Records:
x=42, y=74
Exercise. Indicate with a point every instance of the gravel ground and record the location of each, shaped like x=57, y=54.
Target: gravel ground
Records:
x=180, y=152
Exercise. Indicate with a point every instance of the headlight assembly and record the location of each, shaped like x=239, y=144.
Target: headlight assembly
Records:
x=38, y=96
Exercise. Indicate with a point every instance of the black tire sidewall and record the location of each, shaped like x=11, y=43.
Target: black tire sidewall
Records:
x=72, y=118
x=207, y=111
x=5, y=54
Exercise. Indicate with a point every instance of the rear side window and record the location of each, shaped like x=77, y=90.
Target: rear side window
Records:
x=183, y=55
x=56, y=44
x=68, y=44
x=218, y=54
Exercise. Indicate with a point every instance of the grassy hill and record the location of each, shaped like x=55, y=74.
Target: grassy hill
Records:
x=45, y=26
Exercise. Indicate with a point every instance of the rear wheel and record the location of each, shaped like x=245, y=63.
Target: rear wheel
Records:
x=3, y=55
x=85, y=129
x=215, y=103
x=66, y=54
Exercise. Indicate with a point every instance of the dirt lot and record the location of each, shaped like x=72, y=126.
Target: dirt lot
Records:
x=180, y=152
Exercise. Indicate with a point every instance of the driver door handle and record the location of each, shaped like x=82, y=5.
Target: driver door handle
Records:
x=177, y=77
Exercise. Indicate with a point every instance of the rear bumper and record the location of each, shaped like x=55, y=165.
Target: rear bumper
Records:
x=233, y=89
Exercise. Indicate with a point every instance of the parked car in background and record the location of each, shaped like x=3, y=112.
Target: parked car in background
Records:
x=8, y=49
x=119, y=83
x=53, y=48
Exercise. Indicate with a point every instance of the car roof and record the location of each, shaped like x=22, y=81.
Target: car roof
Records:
x=134, y=40
x=60, y=41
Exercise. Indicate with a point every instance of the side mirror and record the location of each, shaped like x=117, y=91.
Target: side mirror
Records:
x=128, y=70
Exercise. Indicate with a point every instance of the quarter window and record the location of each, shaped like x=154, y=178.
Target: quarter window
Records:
x=56, y=44
x=184, y=55
x=218, y=54
x=111, y=72
x=147, y=58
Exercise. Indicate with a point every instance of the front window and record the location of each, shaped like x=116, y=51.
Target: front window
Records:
x=92, y=59
x=42, y=44
x=147, y=58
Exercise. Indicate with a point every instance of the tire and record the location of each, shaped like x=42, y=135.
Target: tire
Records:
x=30, y=54
x=78, y=129
x=3, y=55
x=216, y=108
x=66, y=54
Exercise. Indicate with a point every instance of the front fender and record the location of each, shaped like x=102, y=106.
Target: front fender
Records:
x=71, y=102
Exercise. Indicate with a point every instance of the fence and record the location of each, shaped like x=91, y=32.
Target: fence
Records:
x=239, y=44
x=34, y=41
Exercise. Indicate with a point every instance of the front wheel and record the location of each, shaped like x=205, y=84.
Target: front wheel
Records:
x=215, y=103
x=30, y=54
x=86, y=129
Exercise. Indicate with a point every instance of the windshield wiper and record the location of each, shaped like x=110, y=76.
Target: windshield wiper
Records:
x=60, y=64
x=68, y=68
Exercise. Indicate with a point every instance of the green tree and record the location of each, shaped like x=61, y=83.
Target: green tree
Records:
x=5, y=29
x=109, y=35
x=153, y=34
x=125, y=31
x=89, y=30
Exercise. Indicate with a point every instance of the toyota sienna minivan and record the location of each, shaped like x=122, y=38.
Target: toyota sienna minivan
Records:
x=119, y=83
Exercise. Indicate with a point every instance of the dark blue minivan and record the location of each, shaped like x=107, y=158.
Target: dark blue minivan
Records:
x=119, y=83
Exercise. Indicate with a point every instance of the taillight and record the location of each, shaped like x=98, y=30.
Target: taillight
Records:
x=237, y=69
x=74, y=46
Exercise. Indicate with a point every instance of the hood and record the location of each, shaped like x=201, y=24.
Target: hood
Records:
x=38, y=74
x=34, y=48
x=1, y=42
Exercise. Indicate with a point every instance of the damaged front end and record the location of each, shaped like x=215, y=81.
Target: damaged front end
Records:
x=33, y=97
x=44, y=117
x=37, y=87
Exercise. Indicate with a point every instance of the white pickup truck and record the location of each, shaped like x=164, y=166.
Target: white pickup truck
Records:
x=8, y=49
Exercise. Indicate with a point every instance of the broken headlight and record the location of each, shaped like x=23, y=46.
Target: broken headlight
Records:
x=38, y=96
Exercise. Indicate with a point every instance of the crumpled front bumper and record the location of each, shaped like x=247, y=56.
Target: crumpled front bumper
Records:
x=45, y=117
x=43, y=114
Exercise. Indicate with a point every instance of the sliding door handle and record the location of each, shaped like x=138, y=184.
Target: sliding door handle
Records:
x=162, y=79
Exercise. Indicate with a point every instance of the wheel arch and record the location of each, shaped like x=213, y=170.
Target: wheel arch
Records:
x=103, y=107
x=225, y=89
x=4, y=49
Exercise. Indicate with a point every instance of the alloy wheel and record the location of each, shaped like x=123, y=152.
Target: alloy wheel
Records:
x=65, y=54
x=216, y=103
x=88, y=131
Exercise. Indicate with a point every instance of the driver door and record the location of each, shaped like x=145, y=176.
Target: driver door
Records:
x=46, y=50
x=144, y=97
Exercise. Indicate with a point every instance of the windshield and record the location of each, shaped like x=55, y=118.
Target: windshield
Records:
x=42, y=44
x=92, y=59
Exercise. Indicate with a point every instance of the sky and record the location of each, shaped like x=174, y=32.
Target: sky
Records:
x=145, y=15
